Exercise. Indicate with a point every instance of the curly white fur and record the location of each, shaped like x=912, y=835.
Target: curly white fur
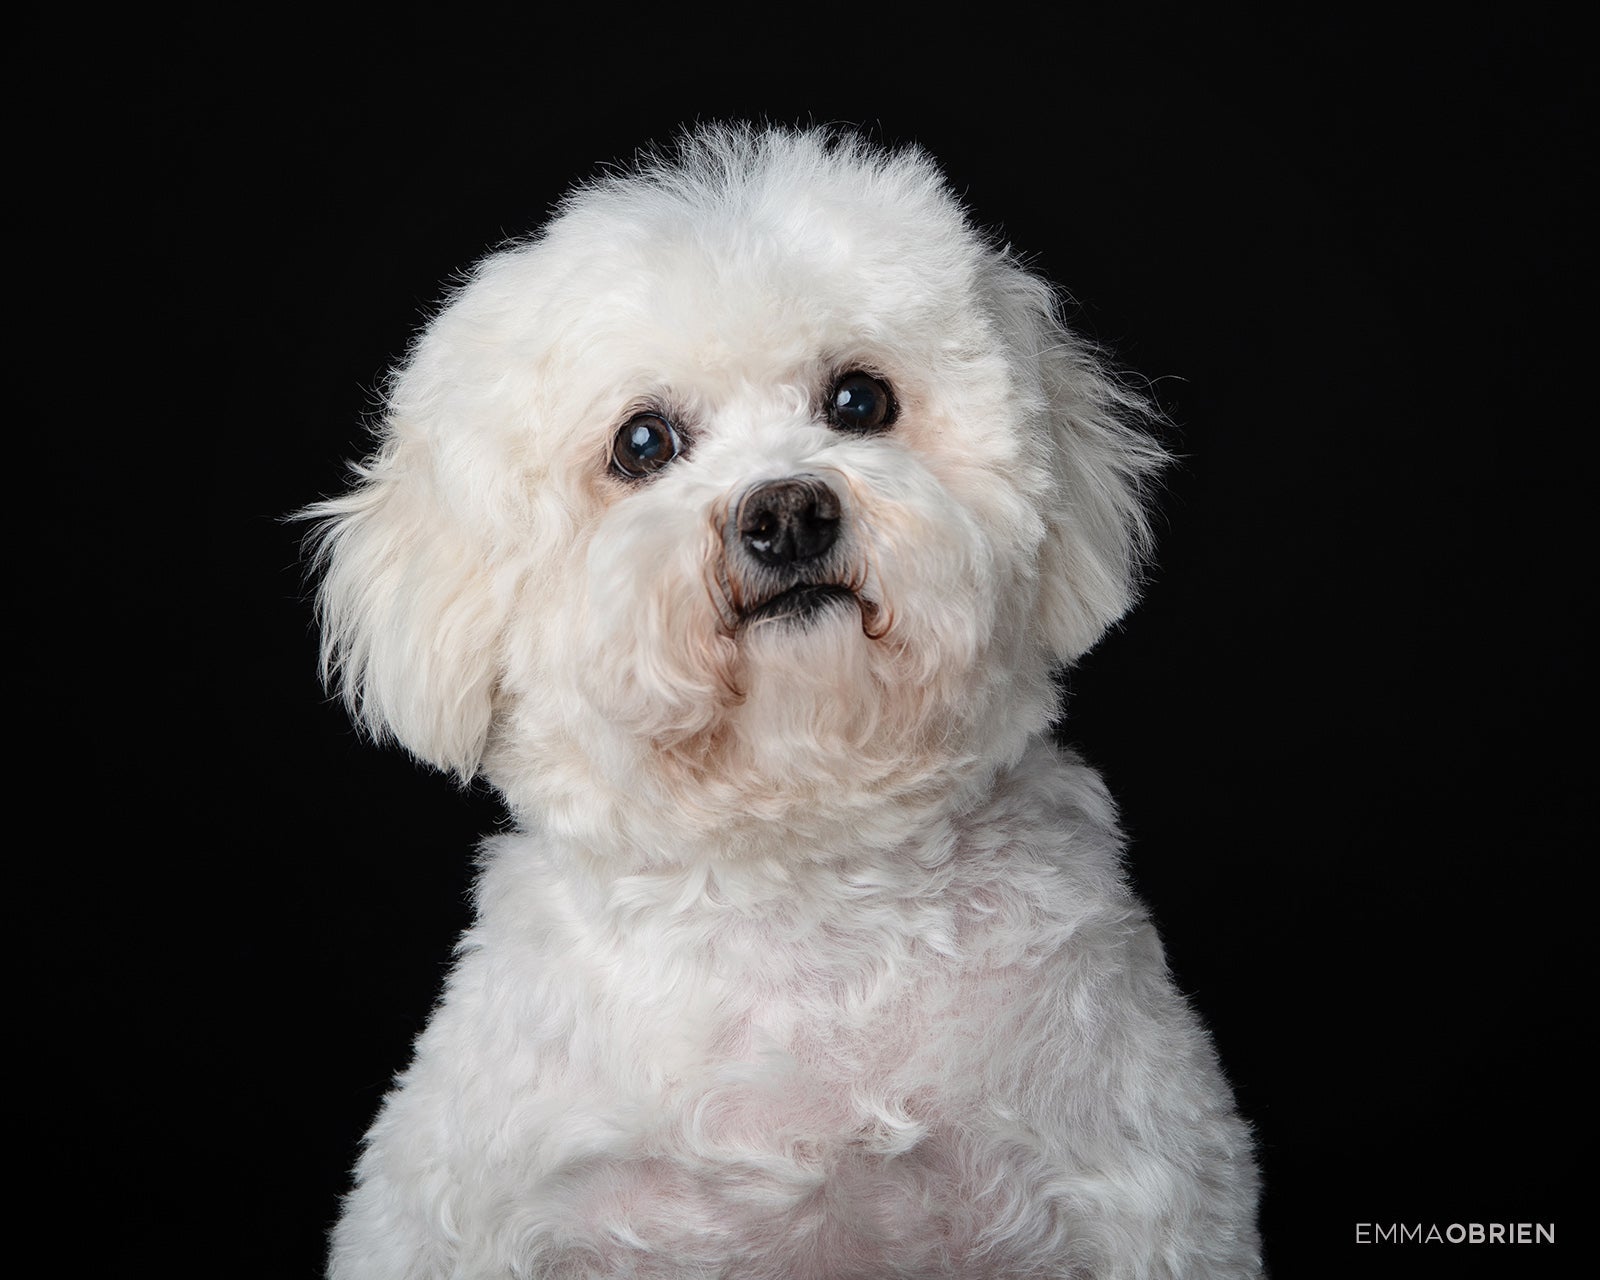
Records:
x=810, y=957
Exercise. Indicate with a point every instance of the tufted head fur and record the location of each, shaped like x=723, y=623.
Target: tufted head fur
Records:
x=882, y=492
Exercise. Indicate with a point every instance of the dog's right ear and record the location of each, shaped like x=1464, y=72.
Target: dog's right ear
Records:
x=411, y=609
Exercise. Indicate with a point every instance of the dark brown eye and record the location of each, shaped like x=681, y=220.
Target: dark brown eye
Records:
x=644, y=444
x=860, y=402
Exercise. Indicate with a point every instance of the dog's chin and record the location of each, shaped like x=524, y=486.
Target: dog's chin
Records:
x=801, y=607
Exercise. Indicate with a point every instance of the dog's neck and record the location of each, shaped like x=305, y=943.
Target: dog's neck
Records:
x=763, y=843
x=723, y=799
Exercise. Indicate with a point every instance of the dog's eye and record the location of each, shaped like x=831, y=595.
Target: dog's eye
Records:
x=645, y=443
x=860, y=402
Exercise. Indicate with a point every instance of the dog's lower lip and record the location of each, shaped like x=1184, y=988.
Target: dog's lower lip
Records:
x=801, y=602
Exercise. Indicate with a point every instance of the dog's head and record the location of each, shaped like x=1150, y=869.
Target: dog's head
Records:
x=759, y=487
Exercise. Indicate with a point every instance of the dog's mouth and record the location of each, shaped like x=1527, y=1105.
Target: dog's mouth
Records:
x=800, y=604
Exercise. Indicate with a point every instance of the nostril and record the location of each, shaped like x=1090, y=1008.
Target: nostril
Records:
x=789, y=521
x=814, y=532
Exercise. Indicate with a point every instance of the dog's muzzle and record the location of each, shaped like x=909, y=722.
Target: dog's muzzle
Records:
x=783, y=546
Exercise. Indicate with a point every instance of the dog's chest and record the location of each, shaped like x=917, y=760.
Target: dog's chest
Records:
x=815, y=1087
x=769, y=1038
x=782, y=1096
x=821, y=1150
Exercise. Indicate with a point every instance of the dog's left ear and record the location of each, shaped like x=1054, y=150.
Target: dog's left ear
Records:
x=1099, y=464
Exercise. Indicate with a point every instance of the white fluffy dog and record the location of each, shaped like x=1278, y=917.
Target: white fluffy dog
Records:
x=732, y=528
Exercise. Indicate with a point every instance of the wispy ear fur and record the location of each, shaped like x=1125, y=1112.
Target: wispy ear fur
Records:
x=1101, y=465
x=411, y=613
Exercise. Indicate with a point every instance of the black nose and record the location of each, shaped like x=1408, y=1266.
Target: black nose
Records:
x=787, y=522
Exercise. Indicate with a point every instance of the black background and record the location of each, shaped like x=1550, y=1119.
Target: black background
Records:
x=1344, y=724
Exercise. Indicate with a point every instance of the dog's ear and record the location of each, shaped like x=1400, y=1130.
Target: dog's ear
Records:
x=410, y=607
x=1099, y=464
